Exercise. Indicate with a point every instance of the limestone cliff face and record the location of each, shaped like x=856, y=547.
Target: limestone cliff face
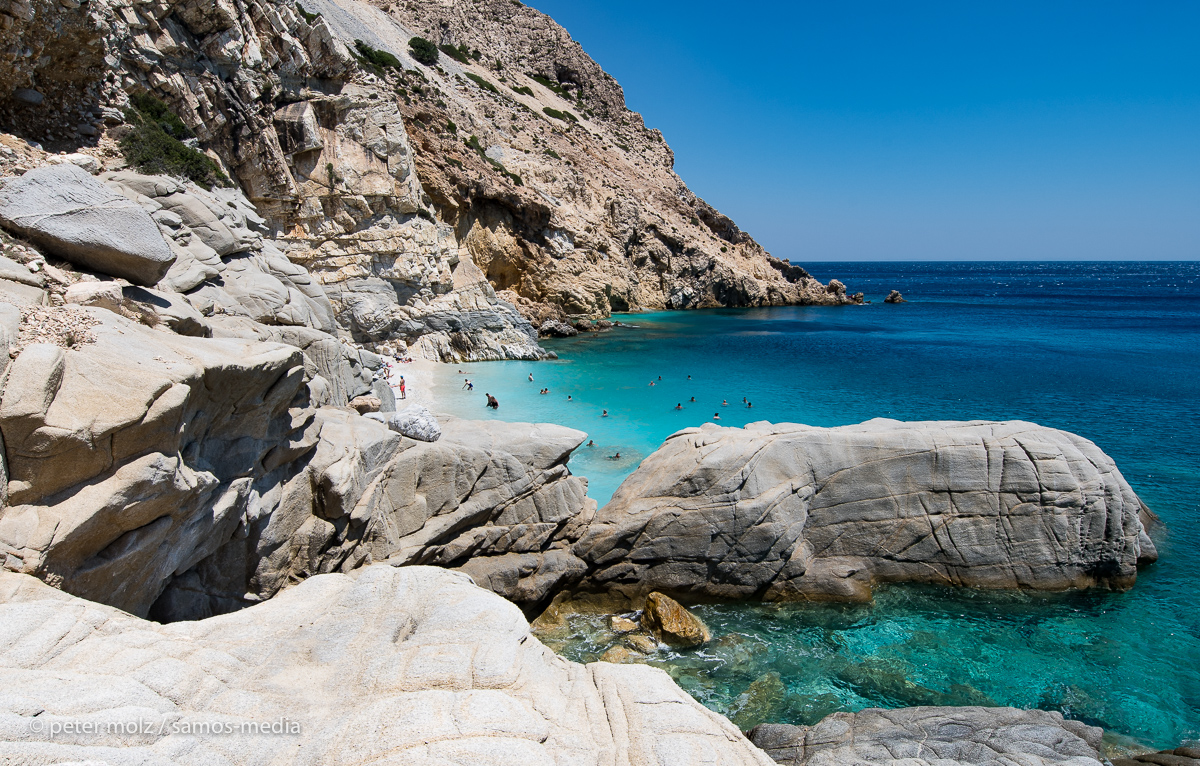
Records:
x=412, y=193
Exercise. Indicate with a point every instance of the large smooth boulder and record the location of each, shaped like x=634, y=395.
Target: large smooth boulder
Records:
x=70, y=214
x=934, y=736
x=135, y=456
x=792, y=512
x=414, y=666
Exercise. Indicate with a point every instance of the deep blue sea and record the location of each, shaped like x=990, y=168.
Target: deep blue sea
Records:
x=1110, y=351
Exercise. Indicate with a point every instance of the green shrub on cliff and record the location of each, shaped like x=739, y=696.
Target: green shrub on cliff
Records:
x=154, y=144
x=551, y=84
x=309, y=18
x=423, y=51
x=482, y=83
x=459, y=54
x=376, y=57
x=564, y=116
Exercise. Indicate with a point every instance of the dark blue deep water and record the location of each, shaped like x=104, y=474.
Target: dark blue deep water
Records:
x=1110, y=351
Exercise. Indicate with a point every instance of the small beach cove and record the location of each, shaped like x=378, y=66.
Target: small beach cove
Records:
x=1108, y=351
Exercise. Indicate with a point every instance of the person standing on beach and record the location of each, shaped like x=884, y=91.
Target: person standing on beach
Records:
x=402, y=394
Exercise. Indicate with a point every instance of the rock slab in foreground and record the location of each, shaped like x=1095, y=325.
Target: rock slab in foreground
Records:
x=412, y=666
x=793, y=512
x=945, y=736
x=72, y=215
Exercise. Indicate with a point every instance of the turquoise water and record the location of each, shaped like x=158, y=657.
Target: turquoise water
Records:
x=1109, y=351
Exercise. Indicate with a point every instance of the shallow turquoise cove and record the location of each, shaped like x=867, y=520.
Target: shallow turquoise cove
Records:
x=1109, y=351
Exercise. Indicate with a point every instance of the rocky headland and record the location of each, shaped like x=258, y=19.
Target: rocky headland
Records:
x=225, y=223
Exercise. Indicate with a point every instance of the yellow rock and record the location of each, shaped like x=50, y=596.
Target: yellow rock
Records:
x=672, y=624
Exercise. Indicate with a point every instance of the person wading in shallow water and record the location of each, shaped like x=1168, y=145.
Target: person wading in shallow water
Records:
x=495, y=405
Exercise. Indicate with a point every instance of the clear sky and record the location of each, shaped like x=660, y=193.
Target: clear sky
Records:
x=845, y=130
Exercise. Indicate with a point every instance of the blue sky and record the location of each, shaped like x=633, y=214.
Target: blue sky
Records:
x=922, y=131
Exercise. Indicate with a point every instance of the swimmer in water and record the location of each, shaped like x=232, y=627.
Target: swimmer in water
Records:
x=716, y=416
x=591, y=443
x=531, y=377
x=679, y=406
x=568, y=397
x=615, y=457
x=724, y=403
x=693, y=398
x=604, y=414
x=749, y=404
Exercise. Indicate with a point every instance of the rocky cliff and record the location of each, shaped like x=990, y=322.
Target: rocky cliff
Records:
x=411, y=192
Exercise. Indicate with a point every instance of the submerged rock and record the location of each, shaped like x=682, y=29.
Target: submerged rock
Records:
x=793, y=512
x=672, y=624
x=760, y=702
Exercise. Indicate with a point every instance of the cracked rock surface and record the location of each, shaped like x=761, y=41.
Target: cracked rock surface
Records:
x=924, y=736
x=413, y=666
x=793, y=512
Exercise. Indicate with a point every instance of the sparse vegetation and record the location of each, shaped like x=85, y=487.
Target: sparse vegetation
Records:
x=551, y=84
x=724, y=249
x=155, y=145
x=621, y=146
x=451, y=127
x=375, y=58
x=423, y=51
x=459, y=54
x=556, y=114
x=473, y=143
x=551, y=153
x=481, y=82
x=524, y=90
x=309, y=18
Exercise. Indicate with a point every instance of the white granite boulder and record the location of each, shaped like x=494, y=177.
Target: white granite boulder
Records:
x=787, y=512
x=414, y=421
x=384, y=666
x=70, y=214
x=135, y=455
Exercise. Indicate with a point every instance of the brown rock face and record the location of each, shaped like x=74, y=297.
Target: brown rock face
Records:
x=672, y=624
